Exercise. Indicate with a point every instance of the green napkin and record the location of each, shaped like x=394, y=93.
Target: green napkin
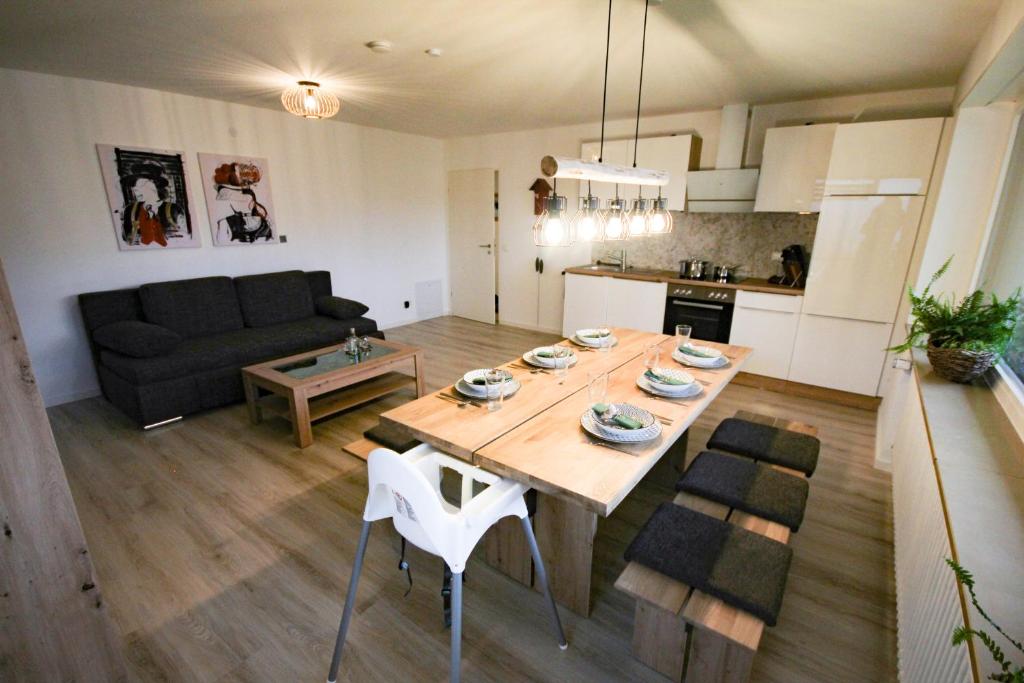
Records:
x=480, y=381
x=624, y=421
x=691, y=351
x=544, y=354
x=663, y=379
x=596, y=335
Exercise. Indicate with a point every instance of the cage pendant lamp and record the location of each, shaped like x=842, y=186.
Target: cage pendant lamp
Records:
x=588, y=223
x=308, y=100
x=553, y=227
x=659, y=221
x=616, y=220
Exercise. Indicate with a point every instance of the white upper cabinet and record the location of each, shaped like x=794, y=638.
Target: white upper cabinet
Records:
x=883, y=157
x=676, y=154
x=793, y=168
x=673, y=153
x=862, y=251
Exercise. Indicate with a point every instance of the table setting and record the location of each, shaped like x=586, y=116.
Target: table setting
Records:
x=594, y=338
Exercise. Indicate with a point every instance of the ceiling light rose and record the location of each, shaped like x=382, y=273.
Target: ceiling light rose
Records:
x=308, y=100
x=380, y=46
x=553, y=227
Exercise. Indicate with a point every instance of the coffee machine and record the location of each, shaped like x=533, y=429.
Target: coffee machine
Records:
x=794, y=267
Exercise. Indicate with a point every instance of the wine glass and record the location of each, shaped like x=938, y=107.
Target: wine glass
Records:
x=652, y=356
x=597, y=387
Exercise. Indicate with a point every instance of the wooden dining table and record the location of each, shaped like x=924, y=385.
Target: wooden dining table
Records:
x=536, y=438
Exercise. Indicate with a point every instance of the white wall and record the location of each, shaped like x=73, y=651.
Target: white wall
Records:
x=366, y=204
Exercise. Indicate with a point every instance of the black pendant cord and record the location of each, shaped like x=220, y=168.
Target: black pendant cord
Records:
x=640, y=88
x=604, y=97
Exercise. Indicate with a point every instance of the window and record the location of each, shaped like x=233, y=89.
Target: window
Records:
x=1003, y=269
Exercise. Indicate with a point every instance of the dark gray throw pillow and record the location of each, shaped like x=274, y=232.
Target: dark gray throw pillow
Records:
x=136, y=338
x=337, y=307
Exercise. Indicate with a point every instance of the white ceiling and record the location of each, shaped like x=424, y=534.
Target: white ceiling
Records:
x=507, y=64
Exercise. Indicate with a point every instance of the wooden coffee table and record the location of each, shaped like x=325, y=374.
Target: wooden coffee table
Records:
x=326, y=381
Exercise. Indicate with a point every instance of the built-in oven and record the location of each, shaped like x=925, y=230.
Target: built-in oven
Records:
x=708, y=310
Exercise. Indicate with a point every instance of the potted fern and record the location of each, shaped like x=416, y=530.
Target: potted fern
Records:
x=963, y=339
x=1008, y=671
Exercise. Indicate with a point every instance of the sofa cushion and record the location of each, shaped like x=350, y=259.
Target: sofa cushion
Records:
x=193, y=308
x=103, y=308
x=319, y=283
x=274, y=298
x=137, y=339
x=339, y=308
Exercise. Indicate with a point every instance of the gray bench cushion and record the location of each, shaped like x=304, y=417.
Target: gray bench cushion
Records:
x=193, y=308
x=748, y=486
x=274, y=298
x=396, y=439
x=771, y=444
x=739, y=567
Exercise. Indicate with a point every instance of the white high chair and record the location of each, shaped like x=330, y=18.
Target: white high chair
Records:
x=406, y=487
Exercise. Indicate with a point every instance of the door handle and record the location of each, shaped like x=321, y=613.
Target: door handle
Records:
x=484, y=246
x=536, y=265
x=541, y=266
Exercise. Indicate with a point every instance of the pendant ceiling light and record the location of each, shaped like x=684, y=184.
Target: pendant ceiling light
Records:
x=553, y=227
x=589, y=221
x=616, y=220
x=660, y=218
x=638, y=218
x=308, y=100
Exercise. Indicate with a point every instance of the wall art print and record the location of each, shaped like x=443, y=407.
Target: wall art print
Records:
x=238, y=199
x=148, y=194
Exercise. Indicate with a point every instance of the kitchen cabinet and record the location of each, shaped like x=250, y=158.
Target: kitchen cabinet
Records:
x=883, y=157
x=839, y=354
x=599, y=301
x=676, y=154
x=768, y=324
x=636, y=304
x=794, y=165
x=862, y=251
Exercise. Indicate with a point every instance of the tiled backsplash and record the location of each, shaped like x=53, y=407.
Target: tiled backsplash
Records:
x=732, y=239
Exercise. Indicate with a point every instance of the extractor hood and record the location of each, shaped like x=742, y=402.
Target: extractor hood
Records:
x=728, y=188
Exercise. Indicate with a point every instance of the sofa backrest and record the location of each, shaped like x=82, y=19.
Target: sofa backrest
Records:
x=193, y=308
x=103, y=308
x=319, y=283
x=274, y=298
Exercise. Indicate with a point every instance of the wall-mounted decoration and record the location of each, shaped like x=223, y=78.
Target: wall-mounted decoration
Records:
x=238, y=199
x=148, y=194
x=540, y=189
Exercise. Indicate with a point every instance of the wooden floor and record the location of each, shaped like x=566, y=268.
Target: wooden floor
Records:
x=223, y=551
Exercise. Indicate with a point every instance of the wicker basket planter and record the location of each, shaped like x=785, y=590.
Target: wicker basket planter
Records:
x=959, y=365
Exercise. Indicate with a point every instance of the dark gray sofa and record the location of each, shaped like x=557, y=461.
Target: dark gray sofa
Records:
x=168, y=349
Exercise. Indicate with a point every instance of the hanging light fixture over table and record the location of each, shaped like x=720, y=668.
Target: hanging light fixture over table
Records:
x=553, y=227
x=308, y=100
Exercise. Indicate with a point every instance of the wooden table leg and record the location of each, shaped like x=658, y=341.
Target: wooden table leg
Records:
x=302, y=428
x=506, y=549
x=252, y=399
x=421, y=386
x=565, y=534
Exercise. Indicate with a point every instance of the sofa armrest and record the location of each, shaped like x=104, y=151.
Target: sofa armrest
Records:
x=136, y=338
x=340, y=308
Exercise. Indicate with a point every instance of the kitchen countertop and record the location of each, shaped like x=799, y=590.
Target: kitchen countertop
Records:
x=750, y=284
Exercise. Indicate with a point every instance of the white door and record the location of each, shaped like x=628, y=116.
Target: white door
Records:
x=839, y=354
x=471, y=243
x=862, y=251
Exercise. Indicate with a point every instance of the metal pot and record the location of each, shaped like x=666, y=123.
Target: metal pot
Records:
x=697, y=269
x=725, y=274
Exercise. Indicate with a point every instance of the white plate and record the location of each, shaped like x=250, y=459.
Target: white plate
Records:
x=535, y=360
x=696, y=362
x=590, y=423
x=479, y=391
x=682, y=377
x=613, y=340
x=689, y=390
x=479, y=374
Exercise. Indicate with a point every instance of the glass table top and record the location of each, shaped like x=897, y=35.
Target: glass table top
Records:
x=328, y=362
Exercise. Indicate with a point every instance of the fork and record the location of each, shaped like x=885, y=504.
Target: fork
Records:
x=595, y=442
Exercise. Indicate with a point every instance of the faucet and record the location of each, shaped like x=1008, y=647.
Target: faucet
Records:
x=620, y=260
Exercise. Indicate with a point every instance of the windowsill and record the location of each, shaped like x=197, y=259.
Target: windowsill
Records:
x=979, y=457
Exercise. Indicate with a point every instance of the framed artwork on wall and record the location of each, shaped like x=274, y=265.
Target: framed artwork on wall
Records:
x=147, y=190
x=238, y=199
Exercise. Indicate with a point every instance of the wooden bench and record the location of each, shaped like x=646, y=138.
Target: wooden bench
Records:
x=684, y=633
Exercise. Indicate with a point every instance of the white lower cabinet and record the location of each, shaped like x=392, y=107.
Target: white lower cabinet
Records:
x=636, y=304
x=840, y=354
x=598, y=301
x=768, y=324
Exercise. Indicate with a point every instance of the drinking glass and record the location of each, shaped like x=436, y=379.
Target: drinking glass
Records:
x=605, y=342
x=494, y=380
x=652, y=356
x=597, y=387
x=683, y=333
x=561, y=361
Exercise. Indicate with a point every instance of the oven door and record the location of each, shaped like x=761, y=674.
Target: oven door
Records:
x=710, y=322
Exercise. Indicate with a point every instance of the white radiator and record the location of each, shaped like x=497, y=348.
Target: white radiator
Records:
x=927, y=599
